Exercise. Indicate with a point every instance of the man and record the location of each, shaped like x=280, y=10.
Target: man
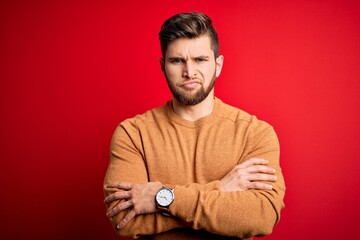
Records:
x=195, y=168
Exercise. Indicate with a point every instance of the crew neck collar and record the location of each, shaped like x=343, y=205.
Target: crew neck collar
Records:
x=191, y=124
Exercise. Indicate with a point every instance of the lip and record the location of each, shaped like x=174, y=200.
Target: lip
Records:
x=190, y=84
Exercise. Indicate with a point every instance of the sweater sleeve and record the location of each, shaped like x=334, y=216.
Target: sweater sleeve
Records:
x=242, y=214
x=127, y=164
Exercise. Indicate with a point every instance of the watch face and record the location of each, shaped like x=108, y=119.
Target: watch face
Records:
x=164, y=197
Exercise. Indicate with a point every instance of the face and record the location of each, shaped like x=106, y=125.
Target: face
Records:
x=191, y=69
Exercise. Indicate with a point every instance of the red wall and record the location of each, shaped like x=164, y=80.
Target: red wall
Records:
x=70, y=72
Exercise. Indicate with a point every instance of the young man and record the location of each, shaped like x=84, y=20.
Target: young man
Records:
x=195, y=168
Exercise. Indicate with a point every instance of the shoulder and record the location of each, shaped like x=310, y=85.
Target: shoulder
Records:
x=259, y=133
x=256, y=132
x=255, y=129
x=151, y=116
x=130, y=128
x=238, y=115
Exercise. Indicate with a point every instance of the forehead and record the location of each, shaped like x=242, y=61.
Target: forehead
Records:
x=182, y=47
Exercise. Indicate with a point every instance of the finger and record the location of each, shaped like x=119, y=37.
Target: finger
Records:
x=262, y=177
x=127, y=218
x=117, y=196
x=253, y=161
x=120, y=185
x=118, y=208
x=260, y=186
x=260, y=169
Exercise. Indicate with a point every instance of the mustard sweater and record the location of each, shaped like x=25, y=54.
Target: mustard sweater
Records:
x=192, y=157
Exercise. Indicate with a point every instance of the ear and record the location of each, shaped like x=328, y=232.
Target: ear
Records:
x=162, y=64
x=219, y=64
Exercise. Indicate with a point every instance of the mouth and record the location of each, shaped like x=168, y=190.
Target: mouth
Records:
x=191, y=85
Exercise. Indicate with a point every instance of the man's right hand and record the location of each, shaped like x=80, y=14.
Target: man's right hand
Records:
x=251, y=174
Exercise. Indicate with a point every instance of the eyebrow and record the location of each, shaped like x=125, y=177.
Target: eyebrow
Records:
x=203, y=56
x=180, y=57
x=172, y=58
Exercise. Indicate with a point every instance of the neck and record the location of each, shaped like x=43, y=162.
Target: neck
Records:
x=194, y=112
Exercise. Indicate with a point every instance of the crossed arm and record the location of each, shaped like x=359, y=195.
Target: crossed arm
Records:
x=250, y=195
x=140, y=198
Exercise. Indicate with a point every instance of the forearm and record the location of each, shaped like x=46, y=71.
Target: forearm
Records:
x=241, y=214
x=145, y=224
x=215, y=208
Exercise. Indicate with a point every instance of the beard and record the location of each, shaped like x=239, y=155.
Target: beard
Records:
x=191, y=97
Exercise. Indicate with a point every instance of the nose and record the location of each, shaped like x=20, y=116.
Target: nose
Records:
x=189, y=70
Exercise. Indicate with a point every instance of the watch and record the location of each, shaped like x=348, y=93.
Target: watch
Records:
x=164, y=197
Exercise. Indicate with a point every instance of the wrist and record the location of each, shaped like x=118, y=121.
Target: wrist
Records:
x=163, y=199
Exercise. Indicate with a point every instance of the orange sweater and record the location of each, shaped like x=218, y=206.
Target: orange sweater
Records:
x=192, y=157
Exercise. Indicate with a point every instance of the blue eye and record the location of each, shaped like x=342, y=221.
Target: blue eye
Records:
x=176, y=60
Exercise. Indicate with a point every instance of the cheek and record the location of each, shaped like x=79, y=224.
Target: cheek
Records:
x=209, y=72
x=171, y=72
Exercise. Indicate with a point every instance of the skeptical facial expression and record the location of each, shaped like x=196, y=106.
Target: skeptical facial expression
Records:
x=191, y=69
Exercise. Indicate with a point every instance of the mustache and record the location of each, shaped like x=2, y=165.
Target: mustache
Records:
x=189, y=81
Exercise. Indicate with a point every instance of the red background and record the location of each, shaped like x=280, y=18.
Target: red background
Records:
x=70, y=71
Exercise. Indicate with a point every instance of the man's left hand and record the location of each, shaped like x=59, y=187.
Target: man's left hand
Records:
x=139, y=197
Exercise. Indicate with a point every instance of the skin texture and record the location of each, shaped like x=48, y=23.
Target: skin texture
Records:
x=190, y=68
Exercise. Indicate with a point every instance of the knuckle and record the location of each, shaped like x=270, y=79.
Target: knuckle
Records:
x=109, y=198
x=239, y=177
x=257, y=176
x=256, y=168
x=118, y=208
x=117, y=195
x=137, y=209
x=130, y=194
x=112, y=212
x=261, y=168
x=237, y=170
x=127, y=217
x=257, y=185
